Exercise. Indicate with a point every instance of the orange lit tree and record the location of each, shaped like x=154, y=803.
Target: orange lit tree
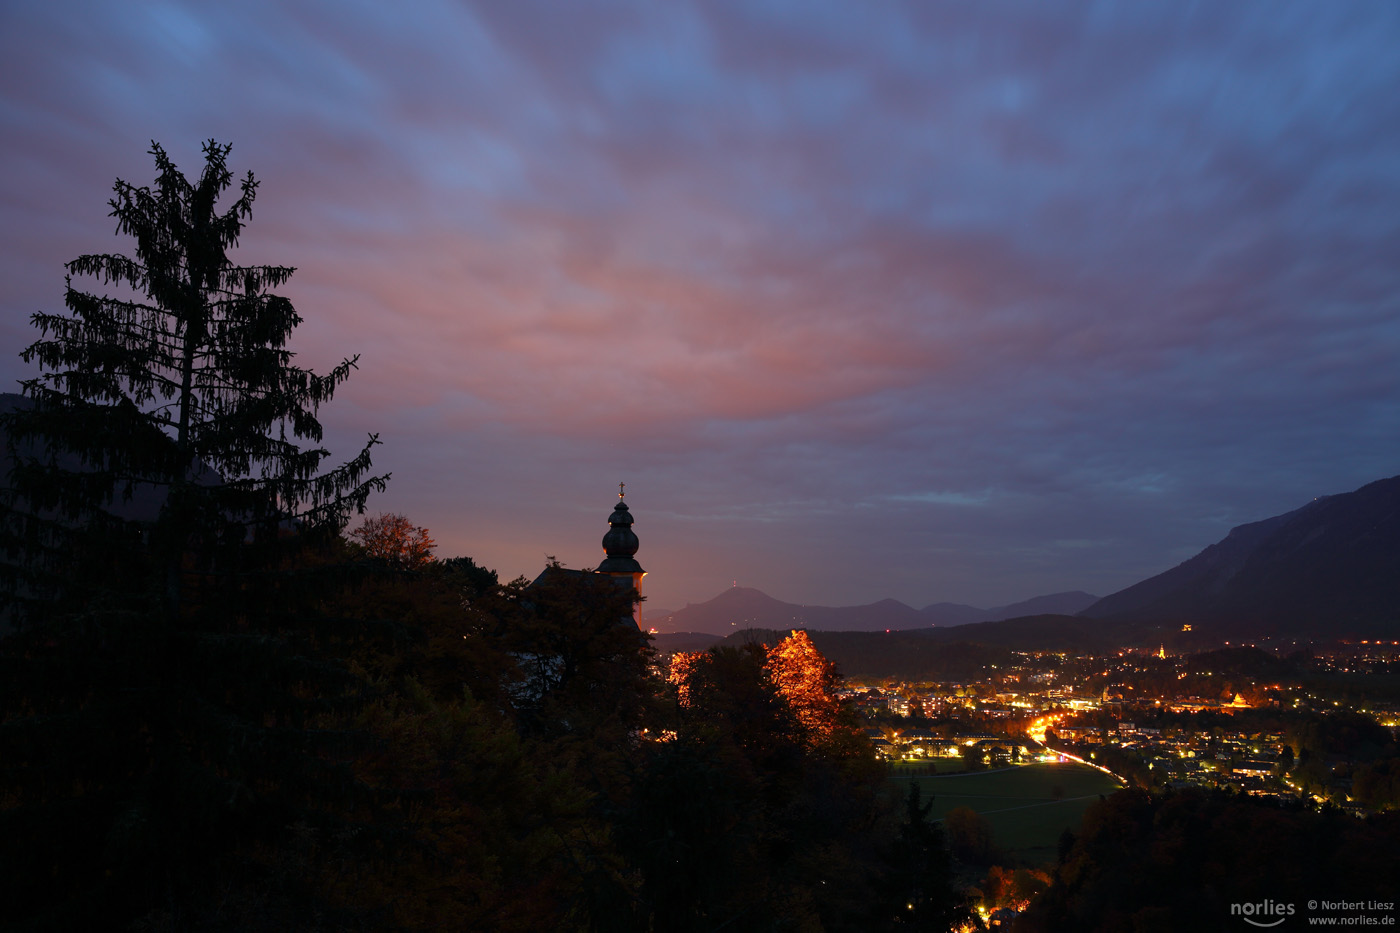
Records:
x=806, y=680
x=395, y=540
x=769, y=809
x=682, y=671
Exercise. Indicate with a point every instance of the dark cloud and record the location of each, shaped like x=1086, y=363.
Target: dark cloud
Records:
x=933, y=301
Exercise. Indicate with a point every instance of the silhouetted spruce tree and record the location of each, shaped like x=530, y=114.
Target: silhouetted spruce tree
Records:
x=920, y=881
x=180, y=386
x=165, y=701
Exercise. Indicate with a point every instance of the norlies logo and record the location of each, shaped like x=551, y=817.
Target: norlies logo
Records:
x=1264, y=909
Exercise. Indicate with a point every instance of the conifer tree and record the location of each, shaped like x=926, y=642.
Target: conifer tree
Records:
x=177, y=385
x=168, y=711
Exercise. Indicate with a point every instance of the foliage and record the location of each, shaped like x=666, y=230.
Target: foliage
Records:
x=581, y=667
x=478, y=826
x=921, y=873
x=148, y=768
x=805, y=681
x=969, y=835
x=178, y=386
x=172, y=715
x=974, y=757
x=910, y=656
x=217, y=718
x=1341, y=732
x=394, y=540
x=1377, y=784
x=683, y=671
x=811, y=837
x=1178, y=861
x=1012, y=888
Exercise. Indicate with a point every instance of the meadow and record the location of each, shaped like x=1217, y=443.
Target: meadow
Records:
x=1027, y=807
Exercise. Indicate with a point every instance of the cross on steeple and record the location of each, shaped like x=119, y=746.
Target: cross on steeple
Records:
x=620, y=488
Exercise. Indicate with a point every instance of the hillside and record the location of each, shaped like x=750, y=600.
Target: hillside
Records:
x=1047, y=632
x=957, y=653
x=908, y=655
x=1328, y=569
x=744, y=607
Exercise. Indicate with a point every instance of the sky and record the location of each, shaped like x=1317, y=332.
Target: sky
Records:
x=925, y=301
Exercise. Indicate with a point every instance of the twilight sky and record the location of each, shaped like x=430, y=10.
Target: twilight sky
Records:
x=932, y=301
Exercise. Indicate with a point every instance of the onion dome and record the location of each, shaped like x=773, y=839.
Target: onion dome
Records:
x=620, y=543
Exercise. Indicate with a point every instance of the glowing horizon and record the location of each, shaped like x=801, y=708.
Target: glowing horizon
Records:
x=933, y=304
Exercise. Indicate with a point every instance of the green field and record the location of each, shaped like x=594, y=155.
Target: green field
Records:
x=904, y=769
x=1026, y=815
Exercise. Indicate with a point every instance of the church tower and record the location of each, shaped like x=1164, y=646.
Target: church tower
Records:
x=620, y=550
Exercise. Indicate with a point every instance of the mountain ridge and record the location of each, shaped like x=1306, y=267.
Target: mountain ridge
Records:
x=1330, y=568
x=740, y=607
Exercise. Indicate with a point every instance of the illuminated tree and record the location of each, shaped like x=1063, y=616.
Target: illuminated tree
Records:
x=682, y=671
x=395, y=540
x=767, y=810
x=806, y=680
x=1013, y=888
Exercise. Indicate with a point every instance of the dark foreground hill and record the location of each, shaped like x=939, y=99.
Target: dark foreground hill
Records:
x=938, y=654
x=1328, y=569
